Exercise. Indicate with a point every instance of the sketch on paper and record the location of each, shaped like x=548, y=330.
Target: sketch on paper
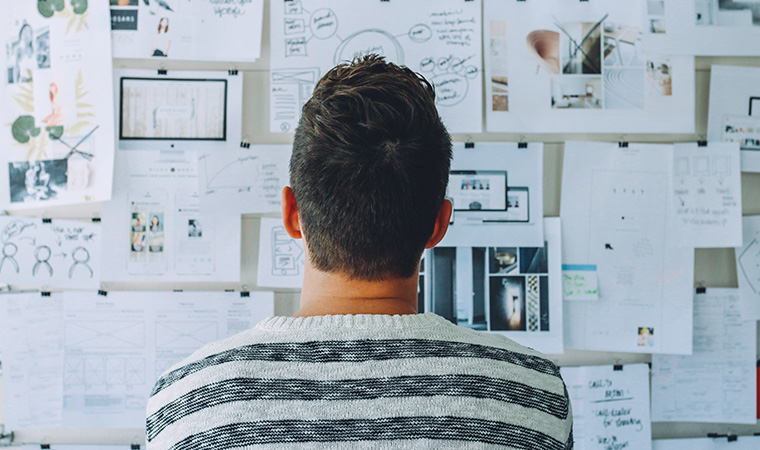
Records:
x=58, y=110
x=58, y=253
x=556, y=66
x=281, y=258
x=748, y=267
x=441, y=41
x=243, y=181
x=512, y=290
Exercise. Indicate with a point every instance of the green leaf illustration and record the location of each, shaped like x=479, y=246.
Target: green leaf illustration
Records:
x=55, y=132
x=80, y=6
x=23, y=129
x=48, y=7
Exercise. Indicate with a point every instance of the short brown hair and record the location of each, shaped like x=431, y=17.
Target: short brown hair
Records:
x=369, y=169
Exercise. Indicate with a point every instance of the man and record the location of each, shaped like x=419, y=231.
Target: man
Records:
x=356, y=367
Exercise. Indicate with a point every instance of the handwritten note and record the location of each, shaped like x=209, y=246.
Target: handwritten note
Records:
x=580, y=282
x=707, y=195
x=610, y=407
x=246, y=181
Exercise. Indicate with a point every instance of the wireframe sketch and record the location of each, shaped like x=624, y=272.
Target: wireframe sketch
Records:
x=51, y=254
x=440, y=40
x=186, y=335
x=287, y=254
x=749, y=265
x=106, y=334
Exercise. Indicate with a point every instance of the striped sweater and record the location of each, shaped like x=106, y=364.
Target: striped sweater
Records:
x=360, y=382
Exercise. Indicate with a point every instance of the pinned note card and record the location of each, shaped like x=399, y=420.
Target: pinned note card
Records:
x=580, y=282
x=610, y=406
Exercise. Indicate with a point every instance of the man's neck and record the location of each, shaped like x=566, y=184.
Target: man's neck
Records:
x=326, y=293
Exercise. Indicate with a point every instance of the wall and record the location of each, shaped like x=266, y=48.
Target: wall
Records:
x=713, y=267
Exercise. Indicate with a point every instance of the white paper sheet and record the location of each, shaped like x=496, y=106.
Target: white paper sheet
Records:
x=56, y=110
x=209, y=30
x=748, y=268
x=734, y=114
x=246, y=181
x=580, y=67
x=741, y=443
x=77, y=447
x=616, y=215
x=178, y=110
x=707, y=195
x=61, y=253
x=117, y=346
x=281, y=258
x=610, y=407
x=441, y=40
x=514, y=291
x=155, y=230
x=704, y=27
x=483, y=213
x=32, y=335
x=717, y=382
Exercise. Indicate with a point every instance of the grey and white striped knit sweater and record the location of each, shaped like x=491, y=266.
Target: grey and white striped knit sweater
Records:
x=360, y=381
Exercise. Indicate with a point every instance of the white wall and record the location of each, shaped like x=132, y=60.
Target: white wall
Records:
x=713, y=268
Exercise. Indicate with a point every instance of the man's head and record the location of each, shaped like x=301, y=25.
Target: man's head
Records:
x=369, y=170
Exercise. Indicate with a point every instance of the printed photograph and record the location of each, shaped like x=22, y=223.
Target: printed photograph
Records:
x=156, y=221
x=543, y=45
x=727, y=13
x=581, y=47
x=645, y=337
x=37, y=180
x=138, y=242
x=621, y=45
x=194, y=229
x=576, y=92
x=507, y=303
x=138, y=221
x=123, y=2
x=499, y=66
x=534, y=260
x=659, y=78
x=502, y=260
x=624, y=88
x=458, y=291
x=156, y=243
x=20, y=56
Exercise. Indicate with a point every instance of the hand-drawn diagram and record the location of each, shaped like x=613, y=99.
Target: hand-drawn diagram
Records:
x=440, y=40
x=111, y=334
x=55, y=253
x=247, y=181
x=281, y=258
x=185, y=335
x=103, y=372
x=749, y=265
x=287, y=254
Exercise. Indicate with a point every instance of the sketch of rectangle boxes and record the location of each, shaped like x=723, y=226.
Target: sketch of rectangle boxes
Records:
x=286, y=253
x=291, y=89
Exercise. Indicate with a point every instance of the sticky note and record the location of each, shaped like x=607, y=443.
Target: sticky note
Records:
x=580, y=282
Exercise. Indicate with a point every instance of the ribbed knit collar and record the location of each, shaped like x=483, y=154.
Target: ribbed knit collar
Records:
x=352, y=321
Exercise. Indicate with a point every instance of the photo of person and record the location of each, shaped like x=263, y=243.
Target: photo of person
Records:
x=645, y=337
x=55, y=117
x=156, y=243
x=156, y=222
x=138, y=221
x=194, y=228
x=21, y=59
x=138, y=242
x=161, y=42
x=37, y=180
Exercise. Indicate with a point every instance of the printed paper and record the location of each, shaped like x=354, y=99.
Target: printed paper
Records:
x=580, y=67
x=208, y=30
x=748, y=268
x=56, y=105
x=49, y=254
x=281, y=258
x=246, y=181
x=741, y=443
x=616, y=214
x=496, y=190
x=580, y=282
x=511, y=290
x=155, y=230
x=441, y=40
x=32, y=336
x=610, y=407
x=707, y=195
x=704, y=27
x=734, y=114
x=117, y=346
x=717, y=382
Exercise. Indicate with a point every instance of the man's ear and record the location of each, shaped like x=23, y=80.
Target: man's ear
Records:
x=290, y=213
x=441, y=224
